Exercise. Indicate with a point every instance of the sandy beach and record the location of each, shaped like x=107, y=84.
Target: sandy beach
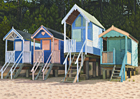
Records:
x=53, y=88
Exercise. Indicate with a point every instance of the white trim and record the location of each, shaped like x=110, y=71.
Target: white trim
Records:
x=75, y=7
x=34, y=52
x=65, y=36
x=42, y=28
x=86, y=36
x=5, y=51
x=13, y=30
x=23, y=52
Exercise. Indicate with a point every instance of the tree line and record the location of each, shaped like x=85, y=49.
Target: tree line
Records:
x=124, y=14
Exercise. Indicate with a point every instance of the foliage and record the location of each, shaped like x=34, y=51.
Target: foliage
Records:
x=124, y=14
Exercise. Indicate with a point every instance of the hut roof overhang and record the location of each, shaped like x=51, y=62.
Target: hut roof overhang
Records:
x=122, y=33
x=75, y=11
x=17, y=34
x=49, y=31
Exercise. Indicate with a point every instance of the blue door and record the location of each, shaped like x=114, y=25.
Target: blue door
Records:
x=46, y=46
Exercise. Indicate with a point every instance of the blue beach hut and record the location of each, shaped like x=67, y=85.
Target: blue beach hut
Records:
x=22, y=55
x=84, y=45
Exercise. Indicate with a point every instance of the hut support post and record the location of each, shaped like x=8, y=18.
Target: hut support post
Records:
x=101, y=45
x=86, y=36
x=65, y=68
x=64, y=37
x=6, y=50
x=55, y=73
x=133, y=71
x=94, y=69
x=27, y=73
x=104, y=74
x=87, y=69
x=34, y=51
x=99, y=68
x=23, y=53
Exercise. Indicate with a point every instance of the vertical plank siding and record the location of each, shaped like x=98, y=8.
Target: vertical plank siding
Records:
x=27, y=57
x=104, y=57
x=107, y=57
x=8, y=54
x=37, y=54
x=128, y=58
x=56, y=56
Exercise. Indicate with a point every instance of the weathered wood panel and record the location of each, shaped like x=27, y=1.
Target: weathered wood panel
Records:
x=56, y=56
x=107, y=57
x=104, y=57
x=9, y=53
x=128, y=58
x=37, y=54
x=27, y=57
x=46, y=44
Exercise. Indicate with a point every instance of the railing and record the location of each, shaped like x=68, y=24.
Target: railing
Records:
x=122, y=72
x=128, y=58
x=27, y=57
x=56, y=56
x=108, y=56
x=82, y=60
x=70, y=47
x=37, y=53
x=37, y=62
x=70, y=44
x=16, y=63
x=4, y=67
x=49, y=60
x=89, y=43
x=8, y=54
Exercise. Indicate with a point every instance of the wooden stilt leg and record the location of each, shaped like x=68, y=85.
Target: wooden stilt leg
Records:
x=104, y=74
x=87, y=69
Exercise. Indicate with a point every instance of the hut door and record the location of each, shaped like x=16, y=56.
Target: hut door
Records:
x=27, y=54
x=122, y=50
x=56, y=45
x=56, y=52
x=47, y=49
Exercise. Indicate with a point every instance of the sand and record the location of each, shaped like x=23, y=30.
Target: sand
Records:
x=53, y=88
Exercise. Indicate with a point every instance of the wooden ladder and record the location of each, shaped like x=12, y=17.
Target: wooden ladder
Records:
x=115, y=74
x=71, y=75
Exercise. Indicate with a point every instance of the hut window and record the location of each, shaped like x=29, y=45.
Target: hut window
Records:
x=76, y=35
x=78, y=22
x=46, y=44
x=18, y=46
x=84, y=22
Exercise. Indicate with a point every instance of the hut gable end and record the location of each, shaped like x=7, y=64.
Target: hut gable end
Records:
x=113, y=33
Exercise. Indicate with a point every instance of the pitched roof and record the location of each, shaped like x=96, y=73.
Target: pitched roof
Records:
x=25, y=35
x=20, y=34
x=56, y=34
x=75, y=11
x=118, y=30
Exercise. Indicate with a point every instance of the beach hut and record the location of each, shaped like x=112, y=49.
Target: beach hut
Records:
x=50, y=56
x=84, y=45
x=120, y=56
x=21, y=56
